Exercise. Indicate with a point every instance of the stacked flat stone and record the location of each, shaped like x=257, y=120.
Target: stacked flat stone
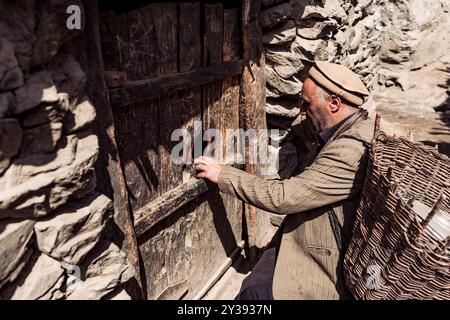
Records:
x=52, y=222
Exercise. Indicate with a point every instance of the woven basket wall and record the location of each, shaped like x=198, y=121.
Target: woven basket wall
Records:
x=393, y=253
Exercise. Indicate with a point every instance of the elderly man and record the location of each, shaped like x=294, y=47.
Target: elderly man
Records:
x=305, y=259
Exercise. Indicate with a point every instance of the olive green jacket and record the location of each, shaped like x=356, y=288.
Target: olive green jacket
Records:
x=309, y=263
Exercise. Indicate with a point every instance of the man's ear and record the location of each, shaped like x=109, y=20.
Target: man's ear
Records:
x=335, y=103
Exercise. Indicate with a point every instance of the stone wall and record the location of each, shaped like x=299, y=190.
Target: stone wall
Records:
x=53, y=224
x=296, y=33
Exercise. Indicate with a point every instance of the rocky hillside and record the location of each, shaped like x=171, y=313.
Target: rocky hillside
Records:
x=413, y=92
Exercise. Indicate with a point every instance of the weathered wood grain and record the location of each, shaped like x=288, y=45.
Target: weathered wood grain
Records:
x=136, y=127
x=229, y=106
x=166, y=27
x=114, y=39
x=231, y=34
x=155, y=211
x=252, y=109
x=139, y=49
x=175, y=292
x=190, y=45
x=213, y=54
x=213, y=40
x=147, y=89
x=190, y=58
x=184, y=236
x=116, y=79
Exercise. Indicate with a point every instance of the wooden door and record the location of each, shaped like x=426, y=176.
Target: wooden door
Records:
x=169, y=66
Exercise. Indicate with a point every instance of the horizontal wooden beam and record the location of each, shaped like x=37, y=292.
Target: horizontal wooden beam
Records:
x=158, y=209
x=151, y=88
x=155, y=211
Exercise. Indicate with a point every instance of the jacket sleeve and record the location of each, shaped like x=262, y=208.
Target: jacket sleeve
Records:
x=336, y=174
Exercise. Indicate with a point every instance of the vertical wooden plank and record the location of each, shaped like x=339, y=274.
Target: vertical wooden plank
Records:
x=190, y=57
x=213, y=54
x=190, y=46
x=110, y=180
x=113, y=37
x=231, y=34
x=230, y=85
x=214, y=229
x=252, y=108
x=213, y=33
x=165, y=16
x=139, y=53
x=137, y=129
x=230, y=111
x=138, y=140
x=167, y=249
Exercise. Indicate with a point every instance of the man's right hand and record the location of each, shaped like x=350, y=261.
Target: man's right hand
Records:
x=208, y=168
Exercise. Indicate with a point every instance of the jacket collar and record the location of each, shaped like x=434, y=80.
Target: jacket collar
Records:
x=326, y=135
x=344, y=125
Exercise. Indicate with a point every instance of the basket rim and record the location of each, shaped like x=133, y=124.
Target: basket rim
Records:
x=414, y=144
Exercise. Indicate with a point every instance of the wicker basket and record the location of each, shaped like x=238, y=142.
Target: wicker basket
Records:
x=397, y=251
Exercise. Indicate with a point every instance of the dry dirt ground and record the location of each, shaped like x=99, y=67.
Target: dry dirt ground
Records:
x=423, y=108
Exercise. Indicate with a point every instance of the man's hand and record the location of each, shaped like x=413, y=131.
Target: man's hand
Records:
x=208, y=168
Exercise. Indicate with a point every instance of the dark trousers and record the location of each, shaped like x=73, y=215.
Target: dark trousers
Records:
x=258, y=285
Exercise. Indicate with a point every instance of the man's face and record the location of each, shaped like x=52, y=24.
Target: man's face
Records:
x=313, y=105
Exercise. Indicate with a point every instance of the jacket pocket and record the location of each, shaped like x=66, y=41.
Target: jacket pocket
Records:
x=323, y=251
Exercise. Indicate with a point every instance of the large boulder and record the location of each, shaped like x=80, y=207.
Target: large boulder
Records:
x=17, y=26
x=319, y=10
x=44, y=114
x=51, y=31
x=10, y=141
x=14, y=251
x=278, y=86
x=11, y=76
x=68, y=77
x=42, y=139
x=284, y=107
x=107, y=270
x=72, y=176
x=39, y=88
x=276, y=15
x=285, y=62
x=282, y=34
x=42, y=277
x=74, y=229
x=81, y=118
x=36, y=29
x=308, y=50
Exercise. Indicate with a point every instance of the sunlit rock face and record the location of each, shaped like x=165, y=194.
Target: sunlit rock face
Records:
x=53, y=224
